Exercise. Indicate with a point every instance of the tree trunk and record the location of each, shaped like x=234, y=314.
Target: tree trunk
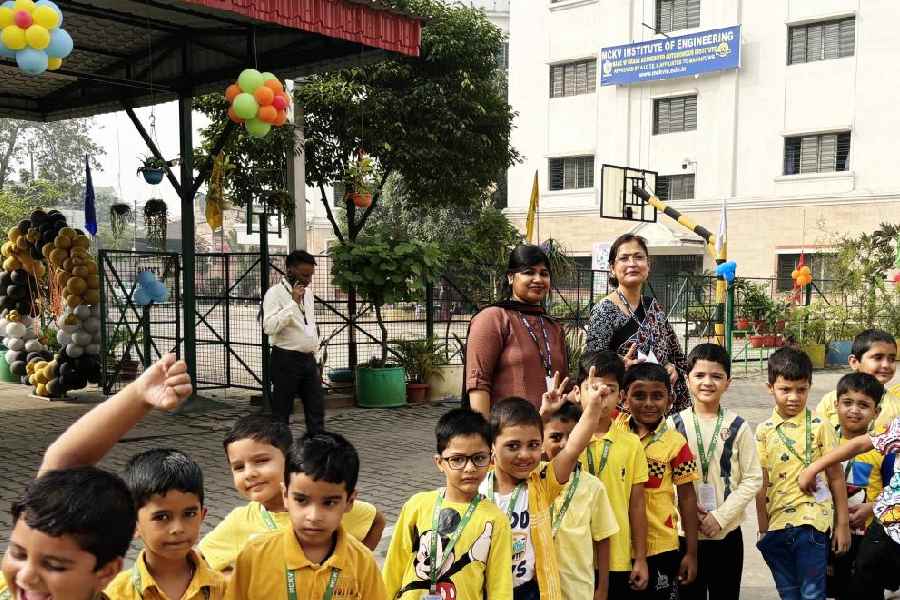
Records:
x=384, y=335
x=8, y=153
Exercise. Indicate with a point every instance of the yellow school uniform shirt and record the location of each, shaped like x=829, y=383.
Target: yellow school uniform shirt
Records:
x=890, y=408
x=260, y=572
x=670, y=462
x=626, y=466
x=137, y=583
x=786, y=504
x=863, y=476
x=221, y=546
x=479, y=565
x=588, y=518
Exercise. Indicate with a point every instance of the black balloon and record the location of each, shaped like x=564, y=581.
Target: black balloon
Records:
x=36, y=253
x=18, y=368
x=19, y=276
x=54, y=388
x=66, y=368
x=38, y=216
x=16, y=291
x=24, y=226
x=24, y=306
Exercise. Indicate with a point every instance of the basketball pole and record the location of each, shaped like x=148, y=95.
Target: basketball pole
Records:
x=723, y=323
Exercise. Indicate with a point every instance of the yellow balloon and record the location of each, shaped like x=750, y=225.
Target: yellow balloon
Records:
x=63, y=241
x=13, y=37
x=11, y=264
x=67, y=232
x=13, y=234
x=27, y=5
x=93, y=281
x=81, y=241
x=6, y=16
x=6, y=249
x=74, y=301
x=41, y=390
x=76, y=286
x=92, y=297
x=45, y=17
x=39, y=270
x=58, y=256
x=37, y=36
x=54, y=63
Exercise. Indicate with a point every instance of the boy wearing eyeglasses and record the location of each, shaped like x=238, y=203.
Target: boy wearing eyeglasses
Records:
x=451, y=542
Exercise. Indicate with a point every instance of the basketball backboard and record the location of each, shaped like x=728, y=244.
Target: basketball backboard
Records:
x=618, y=201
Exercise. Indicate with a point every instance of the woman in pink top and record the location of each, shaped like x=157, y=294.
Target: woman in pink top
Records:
x=514, y=347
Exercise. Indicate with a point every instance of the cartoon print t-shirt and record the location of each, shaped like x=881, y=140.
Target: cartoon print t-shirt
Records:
x=887, y=507
x=477, y=566
x=520, y=524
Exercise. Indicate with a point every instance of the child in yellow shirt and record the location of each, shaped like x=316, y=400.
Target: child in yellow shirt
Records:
x=452, y=543
x=616, y=456
x=315, y=558
x=874, y=352
x=582, y=521
x=525, y=490
x=256, y=447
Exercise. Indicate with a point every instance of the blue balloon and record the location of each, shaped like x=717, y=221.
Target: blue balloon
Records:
x=33, y=62
x=727, y=271
x=6, y=52
x=146, y=278
x=61, y=44
x=141, y=297
x=10, y=4
x=158, y=291
x=46, y=3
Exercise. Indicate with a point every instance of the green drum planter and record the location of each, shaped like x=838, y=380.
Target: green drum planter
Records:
x=380, y=388
x=6, y=375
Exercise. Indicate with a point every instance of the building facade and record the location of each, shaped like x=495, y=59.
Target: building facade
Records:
x=798, y=139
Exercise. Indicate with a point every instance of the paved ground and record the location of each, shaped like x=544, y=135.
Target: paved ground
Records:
x=395, y=445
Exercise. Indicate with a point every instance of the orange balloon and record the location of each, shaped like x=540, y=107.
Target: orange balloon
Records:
x=233, y=116
x=231, y=91
x=280, y=118
x=264, y=95
x=274, y=85
x=267, y=114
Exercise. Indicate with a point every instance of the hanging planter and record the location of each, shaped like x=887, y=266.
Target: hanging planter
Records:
x=156, y=219
x=361, y=200
x=360, y=178
x=153, y=169
x=120, y=217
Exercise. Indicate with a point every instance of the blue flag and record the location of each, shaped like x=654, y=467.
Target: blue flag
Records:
x=90, y=213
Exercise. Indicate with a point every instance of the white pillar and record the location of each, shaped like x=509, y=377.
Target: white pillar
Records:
x=296, y=183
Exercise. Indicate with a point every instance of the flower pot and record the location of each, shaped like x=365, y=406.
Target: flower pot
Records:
x=839, y=352
x=760, y=326
x=380, y=388
x=780, y=341
x=743, y=323
x=447, y=382
x=771, y=340
x=416, y=393
x=361, y=200
x=757, y=341
x=152, y=175
x=816, y=353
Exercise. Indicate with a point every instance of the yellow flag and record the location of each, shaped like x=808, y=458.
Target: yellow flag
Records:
x=215, y=197
x=532, y=209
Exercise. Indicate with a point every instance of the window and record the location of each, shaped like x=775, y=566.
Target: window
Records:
x=571, y=79
x=675, y=187
x=677, y=14
x=821, y=265
x=571, y=173
x=821, y=41
x=671, y=115
x=502, y=57
x=817, y=153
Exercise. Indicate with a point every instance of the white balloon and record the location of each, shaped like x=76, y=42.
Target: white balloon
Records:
x=17, y=344
x=3, y=324
x=29, y=335
x=10, y=355
x=33, y=346
x=74, y=351
x=97, y=338
x=82, y=311
x=70, y=328
x=63, y=338
x=92, y=349
x=91, y=324
x=16, y=330
x=82, y=338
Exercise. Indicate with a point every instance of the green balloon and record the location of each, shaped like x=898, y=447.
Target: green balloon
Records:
x=267, y=76
x=257, y=128
x=249, y=80
x=245, y=106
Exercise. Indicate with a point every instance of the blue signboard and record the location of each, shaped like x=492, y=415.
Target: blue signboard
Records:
x=668, y=58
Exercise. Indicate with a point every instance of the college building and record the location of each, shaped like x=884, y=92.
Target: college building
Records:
x=786, y=110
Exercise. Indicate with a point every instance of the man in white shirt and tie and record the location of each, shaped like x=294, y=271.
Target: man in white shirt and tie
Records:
x=290, y=322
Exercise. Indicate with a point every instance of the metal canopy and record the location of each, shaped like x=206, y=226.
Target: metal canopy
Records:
x=142, y=52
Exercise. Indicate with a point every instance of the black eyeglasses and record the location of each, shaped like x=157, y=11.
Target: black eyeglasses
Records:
x=458, y=462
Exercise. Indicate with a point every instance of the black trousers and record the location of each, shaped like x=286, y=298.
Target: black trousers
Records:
x=877, y=564
x=719, y=567
x=297, y=374
x=839, y=579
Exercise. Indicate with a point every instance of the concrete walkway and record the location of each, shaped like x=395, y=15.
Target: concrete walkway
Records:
x=396, y=447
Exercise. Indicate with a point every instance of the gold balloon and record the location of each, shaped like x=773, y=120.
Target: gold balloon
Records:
x=58, y=257
x=74, y=301
x=13, y=316
x=76, y=285
x=39, y=270
x=29, y=368
x=62, y=278
x=63, y=242
x=93, y=281
x=14, y=233
x=67, y=232
x=92, y=297
x=22, y=243
x=41, y=390
x=11, y=264
x=92, y=268
x=47, y=249
x=82, y=241
x=80, y=272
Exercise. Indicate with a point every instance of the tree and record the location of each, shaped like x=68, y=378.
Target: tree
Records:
x=19, y=200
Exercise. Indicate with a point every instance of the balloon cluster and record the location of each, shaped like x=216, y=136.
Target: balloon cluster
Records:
x=149, y=289
x=25, y=348
x=259, y=101
x=802, y=277
x=30, y=32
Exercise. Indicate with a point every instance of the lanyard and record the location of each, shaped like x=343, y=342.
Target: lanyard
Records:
x=547, y=362
x=557, y=521
x=267, y=518
x=641, y=326
x=513, y=500
x=291, y=577
x=603, y=458
x=707, y=455
x=790, y=443
x=138, y=584
x=454, y=537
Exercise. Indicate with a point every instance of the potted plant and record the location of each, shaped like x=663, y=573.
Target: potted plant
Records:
x=420, y=359
x=360, y=177
x=776, y=322
x=383, y=271
x=447, y=379
x=756, y=305
x=842, y=328
x=153, y=169
x=808, y=327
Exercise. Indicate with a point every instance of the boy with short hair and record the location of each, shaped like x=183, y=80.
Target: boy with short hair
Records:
x=794, y=526
x=858, y=397
x=672, y=471
x=525, y=490
x=616, y=457
x=167, y=488
x=581, y=518
x=730, y=474
x=451, y=542
x=315, y=558
x=71, y=531
x=874, y=352
x=256, y=447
